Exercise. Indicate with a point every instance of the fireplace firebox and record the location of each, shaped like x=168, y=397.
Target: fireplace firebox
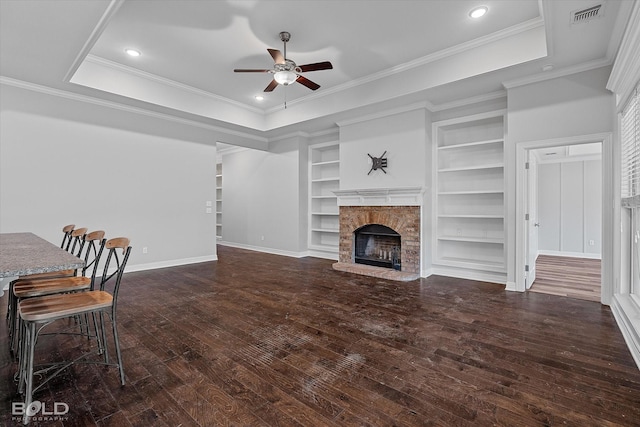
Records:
x=377, y=245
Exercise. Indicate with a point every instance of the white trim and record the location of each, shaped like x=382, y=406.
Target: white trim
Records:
x=406, y=196
x=126, y=108
x=105, y=19
x=125, y=69
x=323, y=255
x=265, y=250
x=627, y=315
x=469, y=101
x=425, y=60
x=560, y=72
x=626, y=68
x=385, y=113
x=170, y=263
x=608, y=216
x=475, y=275
x=570, y=254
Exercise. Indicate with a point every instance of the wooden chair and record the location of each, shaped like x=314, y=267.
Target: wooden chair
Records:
x=91, y=246
x=72, y=241
x=38, y=312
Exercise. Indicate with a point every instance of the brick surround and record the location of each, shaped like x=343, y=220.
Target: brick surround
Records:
x=405, y=220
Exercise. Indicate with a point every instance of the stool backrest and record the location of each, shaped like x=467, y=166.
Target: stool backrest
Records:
x=77, y=240
x=117, y=261
x=67, y=229
x=94, y=243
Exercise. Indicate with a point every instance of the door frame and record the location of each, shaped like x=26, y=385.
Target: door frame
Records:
x=608, y=214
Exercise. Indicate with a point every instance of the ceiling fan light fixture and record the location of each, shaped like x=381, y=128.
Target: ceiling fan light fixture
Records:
x=285, y=77
x=478, y=12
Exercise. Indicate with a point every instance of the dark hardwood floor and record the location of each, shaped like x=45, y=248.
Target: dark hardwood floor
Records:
x=263, y=340
x=570, y=277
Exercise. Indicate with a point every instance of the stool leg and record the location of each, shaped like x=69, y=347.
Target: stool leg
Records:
x=30, y=338
x=117, y=344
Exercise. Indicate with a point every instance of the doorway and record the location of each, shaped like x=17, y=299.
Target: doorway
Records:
x=573, y=152
x=565, y=209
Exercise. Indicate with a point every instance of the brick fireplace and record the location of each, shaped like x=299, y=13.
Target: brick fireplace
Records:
x=396, y=209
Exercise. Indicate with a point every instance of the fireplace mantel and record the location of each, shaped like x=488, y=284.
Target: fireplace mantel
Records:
x=405, y=196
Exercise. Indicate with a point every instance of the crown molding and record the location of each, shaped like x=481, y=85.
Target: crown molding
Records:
x=167, y=82
x=625, y=74
x=384, y=113
x=454, y=50
x=110, y=11
x=561, y=72
x=470, y=101
x=122, y=107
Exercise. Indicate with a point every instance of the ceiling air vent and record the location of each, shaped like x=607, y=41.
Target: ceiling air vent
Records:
x=588, y=14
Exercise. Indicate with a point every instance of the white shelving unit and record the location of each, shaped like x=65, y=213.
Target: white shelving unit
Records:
x=469, y=209
x=324, y=179
x=219, y=201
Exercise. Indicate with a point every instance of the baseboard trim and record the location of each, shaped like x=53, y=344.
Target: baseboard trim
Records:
x=263, y=249
x=480, y=276
x=571, y=254
x=627, y=315
x=171, y=263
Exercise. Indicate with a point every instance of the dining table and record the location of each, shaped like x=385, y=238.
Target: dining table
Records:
x=22, y=254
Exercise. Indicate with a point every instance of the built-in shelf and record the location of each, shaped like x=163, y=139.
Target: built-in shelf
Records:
x=469, y=210
x=472, y=239
x=472, y=168
x=454, y=193
x=471, y=144
x=219, y=201
x=469, y=216
x=324, y=179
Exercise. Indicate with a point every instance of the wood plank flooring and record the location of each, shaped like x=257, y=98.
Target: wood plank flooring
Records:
x=570, y=277
x=264, y=340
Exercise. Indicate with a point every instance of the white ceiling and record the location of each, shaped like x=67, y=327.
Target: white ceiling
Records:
x=384, y=53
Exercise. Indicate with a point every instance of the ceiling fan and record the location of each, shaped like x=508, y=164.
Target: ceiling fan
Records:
x=285, y=71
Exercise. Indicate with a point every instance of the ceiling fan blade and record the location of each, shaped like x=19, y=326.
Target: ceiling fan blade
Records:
x=326, y=65
x=271, y=86
x=277, y=56
x=308, y=83
x=250, y=70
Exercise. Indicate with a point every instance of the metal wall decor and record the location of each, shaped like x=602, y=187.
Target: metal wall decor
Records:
x=378, y=163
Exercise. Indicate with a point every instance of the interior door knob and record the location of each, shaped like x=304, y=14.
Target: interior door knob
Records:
x=537, y=224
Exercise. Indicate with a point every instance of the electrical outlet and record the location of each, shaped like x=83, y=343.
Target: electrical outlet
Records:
x=261, y=237
x=145, y=250
x=459, y=232
x=209, y=210
x=592, y=242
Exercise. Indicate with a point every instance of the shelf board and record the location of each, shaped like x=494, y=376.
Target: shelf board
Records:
x=328, y=248
x=326, y=213
x=471, y=144
x=491, y=240
x=328, y=162
x=325, y=230
x=472, y=168
x=326, y=179
x=324, y=197
x=471, y=216
x=451, y=193
x=486, y=265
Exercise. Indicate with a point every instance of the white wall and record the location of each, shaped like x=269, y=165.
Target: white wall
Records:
x=570, y=208
x=66, y=161
x=262, y=206
x=569, y=106
x=402, y=136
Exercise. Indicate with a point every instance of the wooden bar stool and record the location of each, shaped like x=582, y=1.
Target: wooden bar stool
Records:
x=72, y=242
x=91, y=246
x=38, y=312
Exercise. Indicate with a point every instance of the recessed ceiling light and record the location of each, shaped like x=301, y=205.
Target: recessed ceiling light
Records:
x=132, y=52
x=478, y=12
x=259, y=97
